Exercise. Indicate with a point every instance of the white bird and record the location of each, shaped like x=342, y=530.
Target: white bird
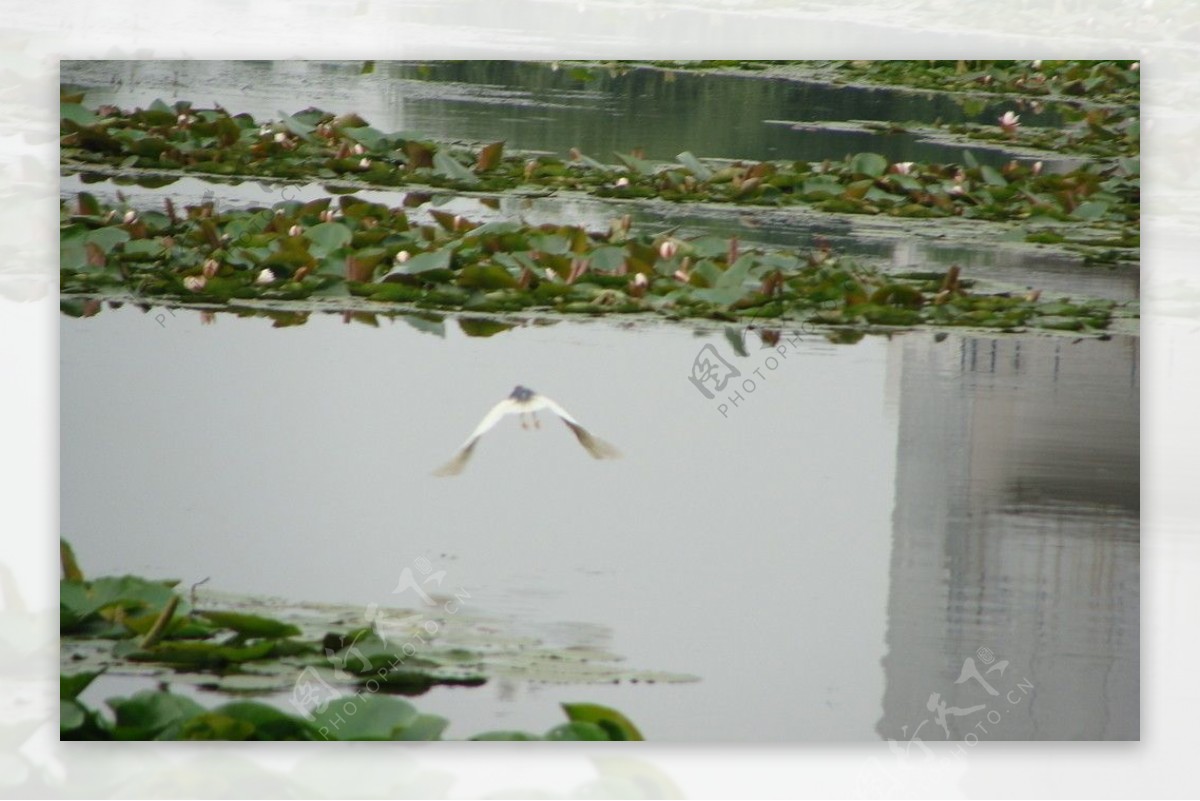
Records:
x=527, y=403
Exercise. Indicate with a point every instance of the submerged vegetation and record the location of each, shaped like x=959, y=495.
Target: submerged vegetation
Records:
x=341, y=684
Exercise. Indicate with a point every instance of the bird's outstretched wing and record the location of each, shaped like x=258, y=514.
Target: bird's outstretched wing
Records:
x=598, y=448
x=456, y=465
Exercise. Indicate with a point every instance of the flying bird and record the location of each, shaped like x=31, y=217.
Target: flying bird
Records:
x=527, y=403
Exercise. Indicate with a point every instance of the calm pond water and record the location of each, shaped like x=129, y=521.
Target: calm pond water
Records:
x=825, y=552
x=900, y=538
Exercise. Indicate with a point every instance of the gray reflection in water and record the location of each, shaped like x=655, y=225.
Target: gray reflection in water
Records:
x=1015, y=530
x=821, y=579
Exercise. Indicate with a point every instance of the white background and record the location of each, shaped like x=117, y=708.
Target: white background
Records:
x=1162, y=33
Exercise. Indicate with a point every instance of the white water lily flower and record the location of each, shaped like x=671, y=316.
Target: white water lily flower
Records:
x=667, y=249
x=1037, y=168
x=640, y=280
x=265, y=277
x=402, y=257
x=281, y=137
x=1009, y=122
x=364, y=164
x=903, y=167
x=295, y=230
x=622, y=181
x=130, y=217
x=194, y=283
x=210, y=268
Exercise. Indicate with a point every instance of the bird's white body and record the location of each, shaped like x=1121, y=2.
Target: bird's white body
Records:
x=524, y=401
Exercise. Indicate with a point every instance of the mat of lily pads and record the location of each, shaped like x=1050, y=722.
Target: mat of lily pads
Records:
x=343, y=247
x=154, y=146
x=315, y=655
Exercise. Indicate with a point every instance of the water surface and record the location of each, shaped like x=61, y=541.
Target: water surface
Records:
x=824, y=549
x=896, y=539
x=544, y=106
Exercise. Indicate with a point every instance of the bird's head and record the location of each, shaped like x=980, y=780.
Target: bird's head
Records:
x=521, y=393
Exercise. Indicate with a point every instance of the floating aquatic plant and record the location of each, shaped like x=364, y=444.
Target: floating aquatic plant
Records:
x=1113, y=83
x=161, y=142
x=329, y=249
x=159, y=714
x=134, y=626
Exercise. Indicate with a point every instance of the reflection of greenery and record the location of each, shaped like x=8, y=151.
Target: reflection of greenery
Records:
x=153, y=627
x=1099, y=100
x=326, y=250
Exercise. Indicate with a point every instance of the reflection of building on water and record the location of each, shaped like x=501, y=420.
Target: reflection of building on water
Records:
x=1015, y=530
